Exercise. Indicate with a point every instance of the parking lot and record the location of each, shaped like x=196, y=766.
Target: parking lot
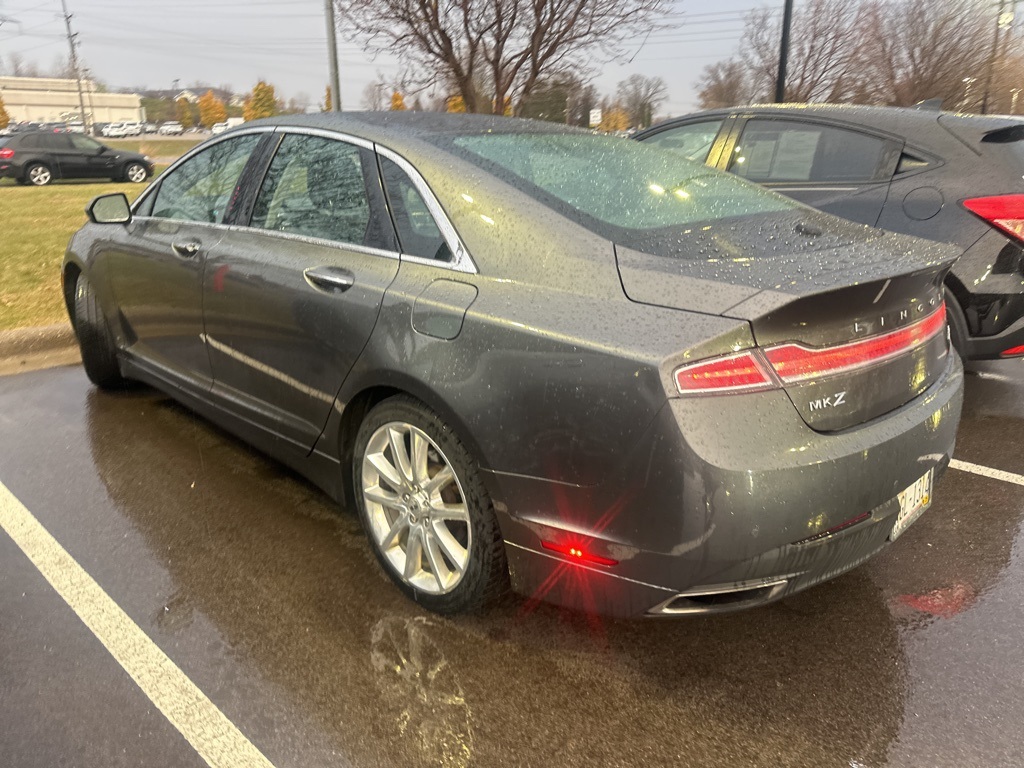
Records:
x=248, y=624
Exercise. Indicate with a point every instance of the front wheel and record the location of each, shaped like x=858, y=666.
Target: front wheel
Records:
x=136, y=173
x=99, y=354
x=425, y=510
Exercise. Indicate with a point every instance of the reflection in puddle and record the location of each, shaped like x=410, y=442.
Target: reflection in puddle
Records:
x=417, y=681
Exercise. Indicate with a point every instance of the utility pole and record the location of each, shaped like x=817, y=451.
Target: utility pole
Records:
x=74, y=65
x=332, y=55
x=780, y=80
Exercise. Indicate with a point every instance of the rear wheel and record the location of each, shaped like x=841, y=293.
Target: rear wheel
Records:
x=99, y=355
x=136, y=173
x=38, y=175
x=425, y=510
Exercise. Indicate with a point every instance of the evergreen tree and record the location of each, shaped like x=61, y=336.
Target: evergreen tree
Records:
x=5, y=119
x=328, y=102
x=397, y=102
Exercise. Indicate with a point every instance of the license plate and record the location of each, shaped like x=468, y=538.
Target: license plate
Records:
x=913, y=501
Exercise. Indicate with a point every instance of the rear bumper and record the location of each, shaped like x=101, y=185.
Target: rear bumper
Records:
x=713, y=503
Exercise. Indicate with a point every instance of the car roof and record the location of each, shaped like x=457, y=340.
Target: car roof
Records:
x=893, y=119
x=408, y=130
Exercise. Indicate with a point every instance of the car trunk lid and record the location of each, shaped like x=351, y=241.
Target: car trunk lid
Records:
x=847, y=316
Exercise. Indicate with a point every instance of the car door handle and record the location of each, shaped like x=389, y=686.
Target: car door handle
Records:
x=330, y=279
x=186, y=250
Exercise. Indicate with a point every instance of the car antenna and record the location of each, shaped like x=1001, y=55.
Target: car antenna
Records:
x=929, y=105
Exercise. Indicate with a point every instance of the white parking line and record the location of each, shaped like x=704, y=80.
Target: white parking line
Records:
x=207, y=729
x=977, y=469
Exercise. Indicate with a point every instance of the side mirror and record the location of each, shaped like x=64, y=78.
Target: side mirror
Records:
x=109, y=209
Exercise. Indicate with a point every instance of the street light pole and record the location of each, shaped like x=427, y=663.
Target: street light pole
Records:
x=780, y=80
x=332, y=55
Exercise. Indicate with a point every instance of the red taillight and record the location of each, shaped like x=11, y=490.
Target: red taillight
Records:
x=1012, y=352
x=742, y=372
x=576, y=552
x=792, y=362
x=795, y=362
x=6, y=153
x=1004, y=212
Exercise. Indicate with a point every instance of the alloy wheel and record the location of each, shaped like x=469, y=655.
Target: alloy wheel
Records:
x=416, y=508
x=39, y=175
x=136, y=173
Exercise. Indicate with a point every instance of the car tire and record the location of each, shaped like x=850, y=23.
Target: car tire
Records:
x=99, y=354
x=38, y=174
x=437, y=539
x=135, y=173
x=958, y=332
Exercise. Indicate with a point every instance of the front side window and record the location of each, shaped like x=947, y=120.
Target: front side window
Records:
x=693, y=140
x=791, y=151
x=316, y=187
x=84, y=143
x=201, y=188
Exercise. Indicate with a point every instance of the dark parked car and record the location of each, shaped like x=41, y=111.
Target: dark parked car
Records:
x=613, y=378
x=39, y=157
x=947, y=177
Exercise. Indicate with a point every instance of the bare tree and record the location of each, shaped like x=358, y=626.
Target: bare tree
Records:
x=493, y=52
x=375, y=95
x=724, y=84
x=640, y=96
x=923, y=49
x=823, y=60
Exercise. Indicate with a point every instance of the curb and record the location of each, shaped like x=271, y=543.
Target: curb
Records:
x=40, y=340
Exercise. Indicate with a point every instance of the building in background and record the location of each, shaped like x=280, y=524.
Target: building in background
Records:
x=51, y=99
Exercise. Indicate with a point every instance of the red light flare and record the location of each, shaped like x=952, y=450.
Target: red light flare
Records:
x=577, y=574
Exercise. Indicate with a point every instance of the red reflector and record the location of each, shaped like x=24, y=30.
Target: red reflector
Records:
x=836, y=529
x=1013, y=352
x=742, y=372
x=577, y=553
x=795, y=362
x=6, y=153
x=1004, y=212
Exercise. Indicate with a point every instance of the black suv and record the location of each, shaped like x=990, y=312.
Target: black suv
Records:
x=39, y=157
x=948, y=177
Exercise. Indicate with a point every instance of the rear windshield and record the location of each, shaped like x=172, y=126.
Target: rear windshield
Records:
x=623, y=190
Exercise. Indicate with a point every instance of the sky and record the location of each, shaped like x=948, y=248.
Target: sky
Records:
x=159, y=43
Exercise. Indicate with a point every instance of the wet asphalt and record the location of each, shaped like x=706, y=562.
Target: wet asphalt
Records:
x=268, y=598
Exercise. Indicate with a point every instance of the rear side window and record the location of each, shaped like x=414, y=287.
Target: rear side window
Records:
x=30, y=142
x=317, y=187
x=418, y=233
x=791, y=151
x=693, y=140
x=201, y=188
x=55, y=141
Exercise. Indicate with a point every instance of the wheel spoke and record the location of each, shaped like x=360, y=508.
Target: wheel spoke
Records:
x=439, y=481
x=454, y=551
x=399, y=454
x=397, y=527
x=386, y=470
x=380, y=496
x=413, y=553
x=436, y=560
x=419, y=458
x=444, y=511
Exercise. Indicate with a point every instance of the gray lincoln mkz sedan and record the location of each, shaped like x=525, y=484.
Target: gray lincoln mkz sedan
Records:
x=534, y=357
